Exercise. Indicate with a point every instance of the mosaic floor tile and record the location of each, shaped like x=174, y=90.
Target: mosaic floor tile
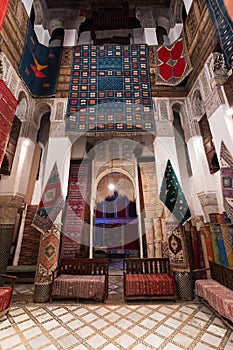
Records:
x=112, y=326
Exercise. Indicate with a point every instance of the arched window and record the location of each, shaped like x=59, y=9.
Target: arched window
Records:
x=43, y=132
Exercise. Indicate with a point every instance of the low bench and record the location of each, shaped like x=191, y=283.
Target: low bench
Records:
x=81, y=278
x=148, y=278
x=24, y=273
x=218, y=290
x=6, y=293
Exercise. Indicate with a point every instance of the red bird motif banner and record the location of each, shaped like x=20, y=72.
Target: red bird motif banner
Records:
x=39, y=65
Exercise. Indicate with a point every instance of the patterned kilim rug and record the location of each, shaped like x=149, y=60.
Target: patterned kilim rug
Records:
x=178, y=250
x=51, y=203
x=110, y=89
x=75, y=209
x=3, y=9
x=171, y=63
x=222, y=18
x=227, y=179
x=8, y=104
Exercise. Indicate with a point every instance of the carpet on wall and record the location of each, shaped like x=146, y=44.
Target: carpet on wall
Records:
x=8, y=104
x=3, y=10
x=178, y=253
x=172, y=195
x=72, y=237
x=170, y=63
x=51, y=203
x=198, y=261
x=39, y=66
x=226, y=170
x=221, y=15
x=110, y=89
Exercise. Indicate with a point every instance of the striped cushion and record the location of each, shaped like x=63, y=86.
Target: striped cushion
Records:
x=5, y=298
x=150, y=284
x=217, y=295
x=79, y=286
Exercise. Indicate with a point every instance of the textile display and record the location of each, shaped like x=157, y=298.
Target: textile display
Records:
x=226, y=170
x=172, y=196
x=8, y=159
x=78, y=286
x=3, y=10
x=48, y=255
x=75, y=209
x=8, y=104
x=51, y=203
x=199, y=261
x=221, y=246
x=150, y=284
x=39, y=66
x=226, y=235
x=214, y=240
x=221, y=15
x=171, y=63
x=5, y=298
x=110, y=89
x=217, y=295
x=209, y=246
x=205, y=255
x=178, y=250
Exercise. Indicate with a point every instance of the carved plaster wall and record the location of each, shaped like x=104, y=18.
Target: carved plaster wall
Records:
x=209, y=203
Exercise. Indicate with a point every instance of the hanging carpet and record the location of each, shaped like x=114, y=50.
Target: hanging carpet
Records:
x=75, y=210
x=226, y=160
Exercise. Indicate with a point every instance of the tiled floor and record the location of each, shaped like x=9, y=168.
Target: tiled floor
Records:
x=112, y=325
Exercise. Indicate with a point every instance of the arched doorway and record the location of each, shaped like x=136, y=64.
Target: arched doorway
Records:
x=116, y=233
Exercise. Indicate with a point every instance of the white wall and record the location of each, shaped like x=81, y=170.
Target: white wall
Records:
x=221, y=126
x=202, y=180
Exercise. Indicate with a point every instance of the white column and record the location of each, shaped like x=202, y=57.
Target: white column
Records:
x=202, y=180
x=138, y=211
x=20, y=237
x=70, y=37
x=17, y=182
x=150, y=37
x=92, y=204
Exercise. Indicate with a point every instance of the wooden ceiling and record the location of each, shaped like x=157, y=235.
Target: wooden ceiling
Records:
x=82, y=4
